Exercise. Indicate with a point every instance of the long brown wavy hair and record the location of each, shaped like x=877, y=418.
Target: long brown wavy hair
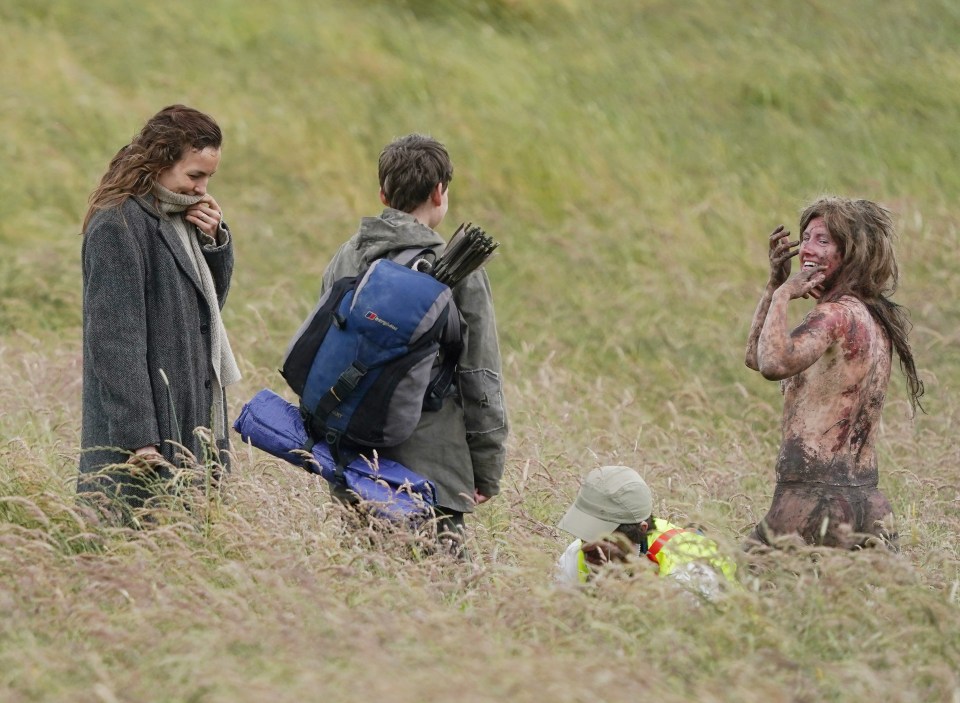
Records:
x=158, y=146
x=865, y=234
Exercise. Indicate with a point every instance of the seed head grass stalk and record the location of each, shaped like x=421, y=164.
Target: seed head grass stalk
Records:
x=631, y=160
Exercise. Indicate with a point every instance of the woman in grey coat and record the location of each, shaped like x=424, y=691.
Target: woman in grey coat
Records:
x=157, y=262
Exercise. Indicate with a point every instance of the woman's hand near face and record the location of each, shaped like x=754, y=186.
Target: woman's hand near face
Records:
x=206, y=215
x=806, y=282
x=781, y=251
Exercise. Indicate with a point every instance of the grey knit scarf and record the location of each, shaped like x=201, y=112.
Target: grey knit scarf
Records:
x=224, y=364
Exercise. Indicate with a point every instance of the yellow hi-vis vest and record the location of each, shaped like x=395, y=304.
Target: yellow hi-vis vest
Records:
x=685, y=547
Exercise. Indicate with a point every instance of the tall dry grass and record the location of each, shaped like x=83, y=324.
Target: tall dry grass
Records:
x=271, y=592
x=631, y=159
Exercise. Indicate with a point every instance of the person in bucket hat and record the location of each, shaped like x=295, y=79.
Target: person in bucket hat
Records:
x=612, y=520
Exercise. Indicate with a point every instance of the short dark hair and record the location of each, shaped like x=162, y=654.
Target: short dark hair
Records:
x=637, y=533
x=410, y=168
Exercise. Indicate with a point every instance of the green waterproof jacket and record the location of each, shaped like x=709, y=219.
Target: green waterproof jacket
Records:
x=461, y=446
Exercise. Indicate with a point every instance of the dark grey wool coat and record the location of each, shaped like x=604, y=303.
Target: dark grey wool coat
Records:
x=143, y=312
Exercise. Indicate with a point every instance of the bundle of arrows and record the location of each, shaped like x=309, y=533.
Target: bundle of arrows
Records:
x=468, y=249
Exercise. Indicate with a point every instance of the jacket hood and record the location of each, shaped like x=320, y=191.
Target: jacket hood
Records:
x=393, y=231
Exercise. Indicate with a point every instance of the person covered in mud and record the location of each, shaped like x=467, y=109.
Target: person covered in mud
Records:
x=834, y=370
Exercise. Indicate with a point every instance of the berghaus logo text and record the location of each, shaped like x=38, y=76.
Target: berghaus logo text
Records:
x=371, y=315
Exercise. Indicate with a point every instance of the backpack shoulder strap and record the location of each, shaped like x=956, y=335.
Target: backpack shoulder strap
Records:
x=417, y=258
x=450, y=358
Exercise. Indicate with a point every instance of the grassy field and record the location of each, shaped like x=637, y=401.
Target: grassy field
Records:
x=631, y=158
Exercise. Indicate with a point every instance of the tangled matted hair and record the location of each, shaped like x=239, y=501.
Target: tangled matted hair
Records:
x=158, y=146
x=865, y=235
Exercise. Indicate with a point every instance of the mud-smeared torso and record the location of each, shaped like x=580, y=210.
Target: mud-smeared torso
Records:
x=832, y=409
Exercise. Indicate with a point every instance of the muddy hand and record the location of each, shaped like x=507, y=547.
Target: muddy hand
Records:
x=805, y=283
x=781, y=251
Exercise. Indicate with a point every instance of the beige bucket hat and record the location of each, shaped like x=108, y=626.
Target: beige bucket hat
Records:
x=609, y=497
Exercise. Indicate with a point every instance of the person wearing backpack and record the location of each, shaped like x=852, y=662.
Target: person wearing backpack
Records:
x=461, y=445
x=612, y=519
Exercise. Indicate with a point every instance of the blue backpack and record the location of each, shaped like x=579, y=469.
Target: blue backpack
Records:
x=377, y=351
